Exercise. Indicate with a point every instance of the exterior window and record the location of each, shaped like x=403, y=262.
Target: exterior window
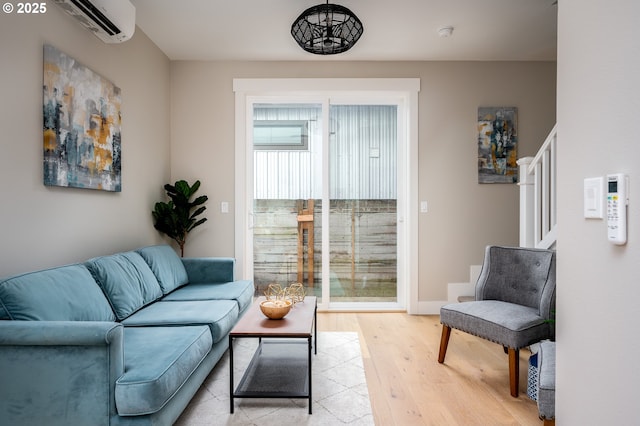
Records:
x=276, y=135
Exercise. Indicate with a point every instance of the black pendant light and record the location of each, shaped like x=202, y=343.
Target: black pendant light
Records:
x=327, y=29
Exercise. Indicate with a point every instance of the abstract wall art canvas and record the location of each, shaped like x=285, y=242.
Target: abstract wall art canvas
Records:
x=497, y=145
x=82, y=125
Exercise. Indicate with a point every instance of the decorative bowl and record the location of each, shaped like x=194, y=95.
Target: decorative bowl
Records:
x=275, y=309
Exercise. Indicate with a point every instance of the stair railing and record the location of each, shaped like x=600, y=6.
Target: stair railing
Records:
x=538, y=217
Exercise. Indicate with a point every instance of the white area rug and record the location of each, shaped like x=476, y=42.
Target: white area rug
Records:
x=339, y=392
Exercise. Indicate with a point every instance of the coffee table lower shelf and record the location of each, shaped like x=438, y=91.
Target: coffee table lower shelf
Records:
x=278, y=369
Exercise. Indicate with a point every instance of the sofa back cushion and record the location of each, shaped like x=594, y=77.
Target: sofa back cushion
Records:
x=126, y=280
x=166, y=266
x=65, y=293
x=4, y=315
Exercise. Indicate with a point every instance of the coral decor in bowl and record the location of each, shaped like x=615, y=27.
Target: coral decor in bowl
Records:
x=275, y=309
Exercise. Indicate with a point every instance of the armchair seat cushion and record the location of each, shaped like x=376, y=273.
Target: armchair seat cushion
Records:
x=508, y=324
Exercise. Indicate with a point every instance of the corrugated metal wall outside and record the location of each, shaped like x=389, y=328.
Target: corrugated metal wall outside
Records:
x=362, y=150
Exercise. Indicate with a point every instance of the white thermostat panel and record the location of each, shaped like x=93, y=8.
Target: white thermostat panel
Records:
x=617, y=200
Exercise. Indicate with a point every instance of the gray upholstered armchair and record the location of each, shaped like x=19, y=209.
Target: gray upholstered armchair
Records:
x=515, y=298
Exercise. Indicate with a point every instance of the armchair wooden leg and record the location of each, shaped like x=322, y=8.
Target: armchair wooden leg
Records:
x=514, y=371
x=444, y=342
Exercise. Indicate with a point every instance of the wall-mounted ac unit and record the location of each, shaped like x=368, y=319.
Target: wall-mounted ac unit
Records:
x=112, y=21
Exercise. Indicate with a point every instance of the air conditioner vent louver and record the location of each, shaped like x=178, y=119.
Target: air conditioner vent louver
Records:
x=112, y=21
x=96, y=16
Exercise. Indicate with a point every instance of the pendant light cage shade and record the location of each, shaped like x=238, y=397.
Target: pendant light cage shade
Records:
x=327, y=29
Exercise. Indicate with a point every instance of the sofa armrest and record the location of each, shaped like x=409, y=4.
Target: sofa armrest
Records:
x=210, y=269
x=60, y=333
x=59, y=372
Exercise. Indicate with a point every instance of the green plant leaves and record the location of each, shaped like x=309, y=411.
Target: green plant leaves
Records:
x=177, y=217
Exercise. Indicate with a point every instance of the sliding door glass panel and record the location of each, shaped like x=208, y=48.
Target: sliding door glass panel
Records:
x=363, y=203
x=287, y=199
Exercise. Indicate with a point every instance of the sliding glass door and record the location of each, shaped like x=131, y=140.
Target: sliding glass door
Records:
x=287, y=194
x=324, y=208
x=363, y=203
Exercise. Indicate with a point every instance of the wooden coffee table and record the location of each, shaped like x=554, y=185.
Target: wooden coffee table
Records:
x=281, y=365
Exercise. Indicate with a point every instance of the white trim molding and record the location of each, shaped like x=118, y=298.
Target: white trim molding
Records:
x=404, y=89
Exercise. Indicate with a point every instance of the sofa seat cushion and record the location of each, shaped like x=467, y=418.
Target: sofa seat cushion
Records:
x=65, y=293
x=508, y=324
x=219, y=315
x=241, y=291
x=126, y=280
x=157, y=362
x=166, y=266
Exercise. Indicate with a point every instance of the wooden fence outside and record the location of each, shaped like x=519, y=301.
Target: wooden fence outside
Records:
x=363, y=245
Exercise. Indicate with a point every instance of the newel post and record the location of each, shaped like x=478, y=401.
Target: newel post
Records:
x=527, y=209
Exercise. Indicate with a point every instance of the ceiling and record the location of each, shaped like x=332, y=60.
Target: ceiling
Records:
x=394, y=30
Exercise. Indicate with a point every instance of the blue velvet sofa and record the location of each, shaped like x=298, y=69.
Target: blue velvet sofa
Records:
x=122, y=339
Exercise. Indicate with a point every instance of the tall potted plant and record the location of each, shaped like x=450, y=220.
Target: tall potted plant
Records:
x=177, y=217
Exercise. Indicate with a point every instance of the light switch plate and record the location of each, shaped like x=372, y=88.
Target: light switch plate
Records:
x=593, y=198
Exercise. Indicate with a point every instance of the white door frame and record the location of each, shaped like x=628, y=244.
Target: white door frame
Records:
x=404, y=88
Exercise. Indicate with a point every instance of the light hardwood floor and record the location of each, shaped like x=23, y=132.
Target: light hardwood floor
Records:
x=407, y=386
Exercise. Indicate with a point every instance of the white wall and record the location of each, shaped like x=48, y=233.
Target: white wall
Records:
x=47, y=226
x=463, y=217
x=598, y=283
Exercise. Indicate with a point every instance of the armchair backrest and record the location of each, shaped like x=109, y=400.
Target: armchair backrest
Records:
x=524, y=276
